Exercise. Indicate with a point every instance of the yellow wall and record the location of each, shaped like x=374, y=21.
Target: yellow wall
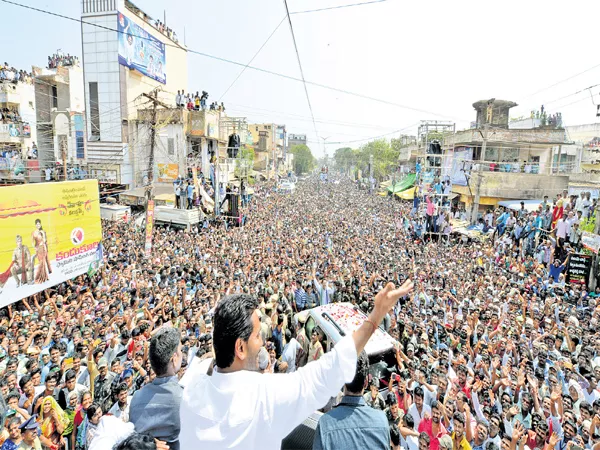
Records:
x=255, y=128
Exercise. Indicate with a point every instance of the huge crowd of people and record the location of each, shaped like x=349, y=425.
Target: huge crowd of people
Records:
x=62, y=60
x=12, y=75
x=495, y=349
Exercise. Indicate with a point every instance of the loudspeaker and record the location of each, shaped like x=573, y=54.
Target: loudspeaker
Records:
x=233, y=205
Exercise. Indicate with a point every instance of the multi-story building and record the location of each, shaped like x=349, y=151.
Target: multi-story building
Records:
x=18, y=148
x=269, y=146
x=60, y=115
x=120, y=66
x=493, y=161
x=18, y=121
x=183, y=139
x=296, y=139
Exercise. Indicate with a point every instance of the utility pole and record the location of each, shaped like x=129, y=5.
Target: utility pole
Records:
x=153, y=97
x=370, y=173
x=475, y=211
x=63, y=150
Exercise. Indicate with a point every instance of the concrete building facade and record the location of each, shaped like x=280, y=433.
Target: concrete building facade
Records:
x=60, y=115
x=119, y=67
x=18, y=124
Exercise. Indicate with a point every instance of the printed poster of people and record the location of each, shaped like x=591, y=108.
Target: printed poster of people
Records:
x=49, y=233
x=141, y=51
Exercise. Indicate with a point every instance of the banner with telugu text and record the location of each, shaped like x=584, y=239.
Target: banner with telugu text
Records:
x=149, y=226
x=49, y=233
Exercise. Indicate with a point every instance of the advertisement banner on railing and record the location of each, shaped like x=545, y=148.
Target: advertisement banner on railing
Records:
x=141, y=51
x=460, y=163
x=49, y=233
x=590, y=241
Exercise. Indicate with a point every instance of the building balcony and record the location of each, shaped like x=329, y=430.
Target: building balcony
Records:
x=511, y=185
x=203, y=123
x=14, y=133
x=9, y=93
x=512, y=137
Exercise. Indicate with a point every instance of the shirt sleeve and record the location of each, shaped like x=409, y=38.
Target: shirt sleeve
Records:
x=291, y=398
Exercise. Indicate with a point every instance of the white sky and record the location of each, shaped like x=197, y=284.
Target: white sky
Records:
x=435, y=56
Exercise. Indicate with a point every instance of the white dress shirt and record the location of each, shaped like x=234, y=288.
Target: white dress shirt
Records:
x=110, y=432
x=246, y=410
x=414, y=412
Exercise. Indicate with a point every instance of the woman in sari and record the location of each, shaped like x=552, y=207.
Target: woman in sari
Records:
x=40, y=242
x=79, y=417
x=14, y=435
x=87, y=430
x=53, y=421
x=557, y=212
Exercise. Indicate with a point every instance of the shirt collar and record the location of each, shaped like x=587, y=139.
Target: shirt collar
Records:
x=163, y=380
x=354, y=400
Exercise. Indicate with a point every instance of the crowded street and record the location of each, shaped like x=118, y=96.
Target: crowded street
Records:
x=493, y=349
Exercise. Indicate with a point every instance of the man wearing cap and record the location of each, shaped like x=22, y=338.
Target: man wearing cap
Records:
x=29, y=433
x=103, y=385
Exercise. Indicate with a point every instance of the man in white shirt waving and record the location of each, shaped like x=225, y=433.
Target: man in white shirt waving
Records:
x=239, y=408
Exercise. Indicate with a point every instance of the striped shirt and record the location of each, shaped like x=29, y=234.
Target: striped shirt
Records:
x=301, y=298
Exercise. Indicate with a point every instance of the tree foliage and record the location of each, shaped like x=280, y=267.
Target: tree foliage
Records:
x=245, y=162
x=304, y=161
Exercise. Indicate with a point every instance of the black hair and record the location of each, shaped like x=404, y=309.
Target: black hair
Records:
x=409, y=420
x=24, y=380
x=419, y=392
x=94, y=407
x=137, y=441
x=425, y=437
x=459, y=417
x=121, y=387
x=11, y=395
x=52, y=376
x=232, y=321
x=70, y=375
x=162, y=347
x=357, y=384
x=391, y=399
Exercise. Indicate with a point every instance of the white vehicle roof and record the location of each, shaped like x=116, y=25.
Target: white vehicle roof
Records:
x=348, y=318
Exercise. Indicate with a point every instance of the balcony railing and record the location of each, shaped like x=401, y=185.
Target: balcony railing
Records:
x=533, y=168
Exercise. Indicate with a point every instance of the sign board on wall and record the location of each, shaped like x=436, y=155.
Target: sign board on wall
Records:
x=168, y=172
x=141, y=51
x=578, y=271
x=49, y=233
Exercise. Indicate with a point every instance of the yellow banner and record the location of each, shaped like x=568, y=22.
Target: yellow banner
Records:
x=49, y=233
x=167, y=172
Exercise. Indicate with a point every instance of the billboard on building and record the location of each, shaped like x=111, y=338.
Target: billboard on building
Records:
x=49, y=233
x=461, y=164
x=141, y=51
x=168, y=172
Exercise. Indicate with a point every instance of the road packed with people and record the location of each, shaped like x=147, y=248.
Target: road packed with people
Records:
x=201, y=344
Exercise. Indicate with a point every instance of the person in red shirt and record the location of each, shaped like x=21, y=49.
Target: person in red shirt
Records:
x=433, y=426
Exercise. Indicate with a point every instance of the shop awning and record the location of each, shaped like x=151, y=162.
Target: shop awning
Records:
x=408, y=194
x=407, y=182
